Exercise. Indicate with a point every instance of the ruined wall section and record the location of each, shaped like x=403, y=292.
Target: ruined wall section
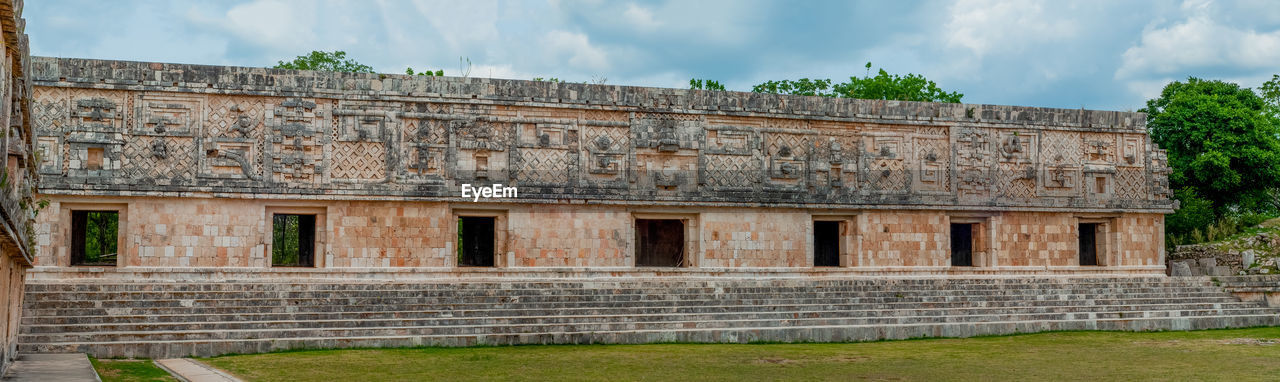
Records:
x=114, y=128
x=18, y=206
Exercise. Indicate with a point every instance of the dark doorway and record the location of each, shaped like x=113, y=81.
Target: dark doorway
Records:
x=962, y=245
x=293, y=240
x=1088, y=243
x=826, y=243
x=659, y=243
x=94, y=237
x=475, y=241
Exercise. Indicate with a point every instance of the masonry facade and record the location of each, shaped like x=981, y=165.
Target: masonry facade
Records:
x=201, y=166
x=18, y=204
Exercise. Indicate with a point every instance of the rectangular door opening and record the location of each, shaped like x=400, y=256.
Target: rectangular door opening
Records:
x=1088, y=243
x=293, y=240
x=962, y=245
x=475, y=241
x=826, y=243
x=94, y=237
x=660, y=243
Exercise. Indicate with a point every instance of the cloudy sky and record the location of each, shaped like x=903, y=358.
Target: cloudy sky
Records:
x=1094, y=54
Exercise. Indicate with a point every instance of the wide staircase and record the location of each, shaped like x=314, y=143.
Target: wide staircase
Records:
x=204, y=319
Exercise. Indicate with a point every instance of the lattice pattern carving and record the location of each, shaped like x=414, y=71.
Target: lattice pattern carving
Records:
x=1061, y=148
x=1061, y=156
x=1017, y=180
x=885, y=159
x=731, y=172
x=1131, y=183
x=160, y=159
x=544, y=166
x=232, y=138
x=359, y=161
x=788, y=158
x=49, y=110
x=606, y=151
x=426, y=147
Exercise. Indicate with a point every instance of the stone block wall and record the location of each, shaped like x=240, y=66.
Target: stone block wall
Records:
x=200, y=156
x=755, y=238
x=904, y=239
x=18, y=204
x=210, y=234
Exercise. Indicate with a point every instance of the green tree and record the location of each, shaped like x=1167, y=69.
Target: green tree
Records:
x=1194, y=213
x=335, y=61
x=911, y=87
x=1270, y=92
x=700, y=84
x=1222, y=143
x=437, y=73
x=803, y=86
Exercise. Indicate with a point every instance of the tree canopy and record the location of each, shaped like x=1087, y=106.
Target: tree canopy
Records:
x=701, y=84
x=1222, y=141
x=910, y=87
x=335, y=61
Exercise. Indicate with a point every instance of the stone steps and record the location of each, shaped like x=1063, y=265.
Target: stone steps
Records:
x=278, y=307
x=154, y=347
x=75, y=322
x=65, y=297
x=399, y=322
x=566, y=301
x=472, y=328
x=542, y=288
x=180, y=319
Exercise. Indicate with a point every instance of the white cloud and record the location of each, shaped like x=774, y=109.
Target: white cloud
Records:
x=461, y=23
x=578, y=48
x=271, y=23
x=640, y=17
x=1199, y=41
x=984, y=26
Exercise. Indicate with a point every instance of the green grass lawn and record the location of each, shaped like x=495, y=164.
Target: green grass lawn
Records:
x=130, y=370
x=1236, y=355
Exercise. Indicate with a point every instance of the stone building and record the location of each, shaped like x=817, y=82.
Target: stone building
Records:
x=205, y=172
x=17, y=177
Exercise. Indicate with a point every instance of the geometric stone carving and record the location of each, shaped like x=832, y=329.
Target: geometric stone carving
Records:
x=835, y=165
x=1017, y=155
x=360, y=143
x=1060, y=161
x=482, y=149
x=50, y=149
x=157, y=159
x=407, y=141
x=296, y=140
x=545, y=154
x=933, y=165
x=787, y=159
x=975, y=158
x=606, y=150
x=666, y=151
x=232, y=139
x=885, y=161
x=1131, y=183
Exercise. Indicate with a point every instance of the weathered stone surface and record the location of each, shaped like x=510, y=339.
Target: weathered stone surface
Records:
x=212, y=318
x=197, y=157
x=168, y=129
x=1181, y=269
